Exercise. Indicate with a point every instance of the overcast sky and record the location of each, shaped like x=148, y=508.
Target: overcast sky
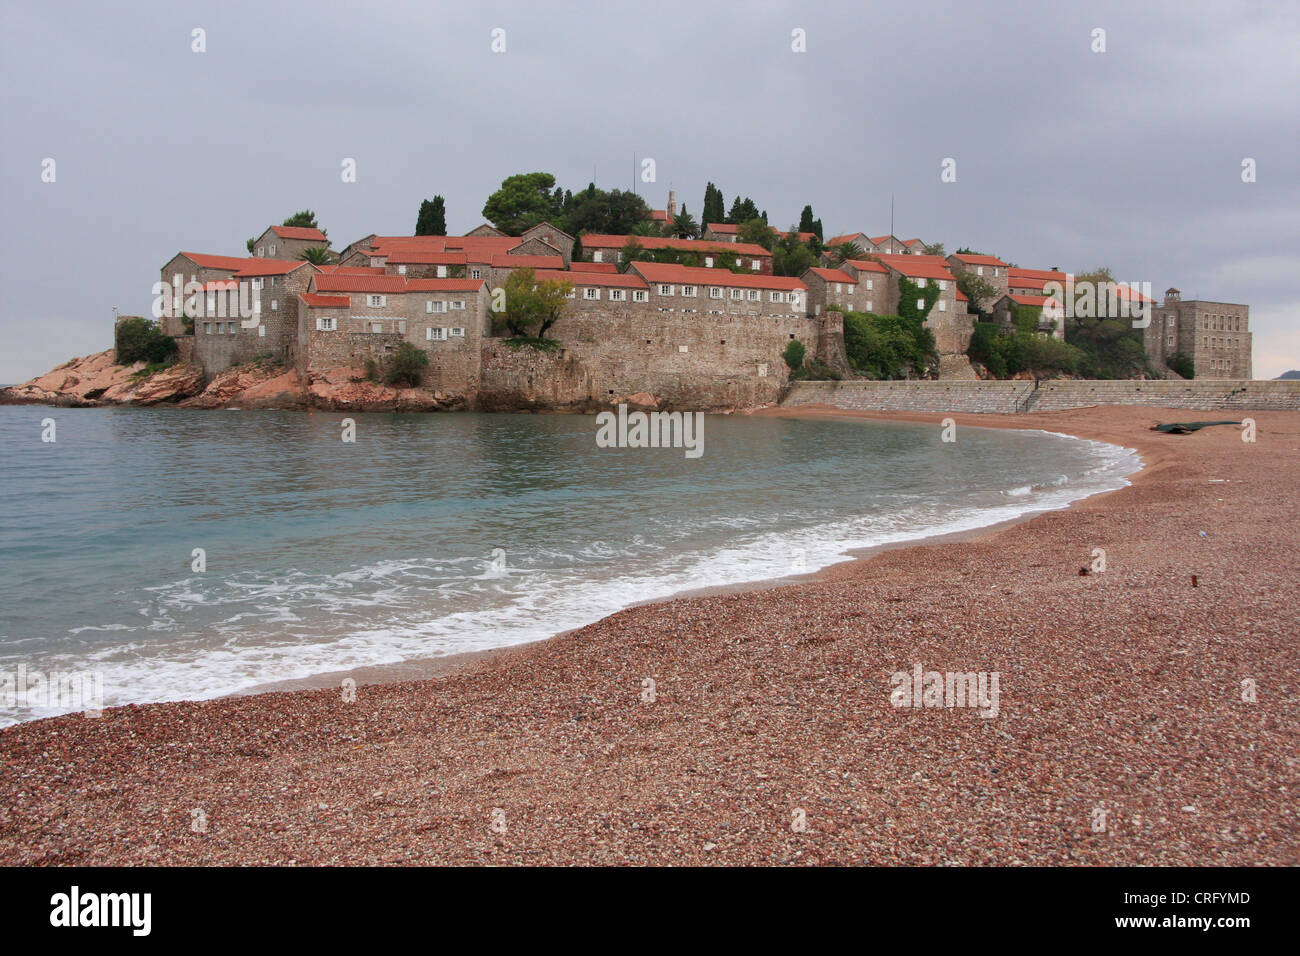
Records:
x=1065, y=157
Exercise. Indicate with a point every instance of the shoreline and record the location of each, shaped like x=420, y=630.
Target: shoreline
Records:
x=1121, y=691
x=428, y=668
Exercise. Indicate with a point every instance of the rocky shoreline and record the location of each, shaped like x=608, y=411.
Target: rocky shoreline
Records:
x=95, y=381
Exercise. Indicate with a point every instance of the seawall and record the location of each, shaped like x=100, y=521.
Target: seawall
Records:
x=1017, y=396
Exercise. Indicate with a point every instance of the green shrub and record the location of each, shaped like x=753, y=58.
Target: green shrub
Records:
x=408, y=366
x=888, y=346
x=1182, y=363
x=793, y=355
x=137, y=339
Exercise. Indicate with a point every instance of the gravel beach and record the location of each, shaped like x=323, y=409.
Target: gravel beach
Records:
x=1142, y=718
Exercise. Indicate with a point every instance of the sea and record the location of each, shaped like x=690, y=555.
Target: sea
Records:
x=178, y=554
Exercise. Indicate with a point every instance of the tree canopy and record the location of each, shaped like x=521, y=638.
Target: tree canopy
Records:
x=523, y=201
x=432, y=219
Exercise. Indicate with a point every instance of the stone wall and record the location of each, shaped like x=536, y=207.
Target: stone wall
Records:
x=689, y=360
x=940, y=396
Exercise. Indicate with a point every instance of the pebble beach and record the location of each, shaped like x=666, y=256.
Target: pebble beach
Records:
x=1149, y=713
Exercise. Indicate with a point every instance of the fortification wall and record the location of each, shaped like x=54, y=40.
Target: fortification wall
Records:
x=689, y=360
x=940, y=396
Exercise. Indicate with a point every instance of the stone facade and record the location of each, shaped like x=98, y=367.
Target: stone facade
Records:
x=555, y=238
x=223, y=337
x=1216, y=336
x=989, y=268
x=752, y=258
x=288, y=242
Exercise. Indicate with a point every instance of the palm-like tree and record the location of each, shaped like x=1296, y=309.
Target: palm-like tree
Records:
x=685, y=226
x=316, y=255
x=846, y=251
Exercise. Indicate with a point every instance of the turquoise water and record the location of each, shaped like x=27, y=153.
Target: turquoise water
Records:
x=323, y=555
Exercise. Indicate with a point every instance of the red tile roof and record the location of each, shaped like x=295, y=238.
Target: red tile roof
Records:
x=724, y=228
x=866, y=265
x=670, y=272
x=420, y=257
x=833, y=275
x=918, y=267
x=608, y=279
x=961, y=296
x=593, y=267
x=659, y=215
x=840, y=240
x=803, y=236
x=977, y=260
x=504, y=261
x=357, y=271
x=350, y=283
x=231, y=263
x=597, y=241
x=1033, y=300
x=316, y=301
x=271, y=267
x=444, y=285
x=1042, y=275
x=299, y=232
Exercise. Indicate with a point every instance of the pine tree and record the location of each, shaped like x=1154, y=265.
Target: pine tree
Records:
x=714, y=207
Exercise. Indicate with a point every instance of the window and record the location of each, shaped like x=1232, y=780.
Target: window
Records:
x=715, y=292
x=943, y=284
x=457, y=305
x=207, y=328
x=270, y=250
x=665, y=289
x=401, y=326
x=979, y=270
x=708, y=262
x=640, y=295
x=689, y=291
x=275, y=305
x=376, y=300
x=261, y=331
x=458, y=333
x=590, y=293
x=775, y=297
x=374, y=326
x=838, y=287
x=752, y=295
x=596, y=256
x=258, y=283
x=401, y=270
x=617, y=295
x=871, y=283
x=442, y=272
x=868, y=305
x=476, y=273
x=943, y=305
x=275, y=280
x=261, y=251
x=737, y=294
x=434, y=305
x=325, y=323
x=920, y=283
x=435, y=335
x=756, y=265
x=920, y=303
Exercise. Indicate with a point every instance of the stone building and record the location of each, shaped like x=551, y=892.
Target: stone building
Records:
x=552, y=236
x=872, y=280
x=606, y=248
x=288, y=242
x=827, y=287
x=224, y=335
x=1051, y=313
x=989, y=268
x=1215, y=336
x=721, y=231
